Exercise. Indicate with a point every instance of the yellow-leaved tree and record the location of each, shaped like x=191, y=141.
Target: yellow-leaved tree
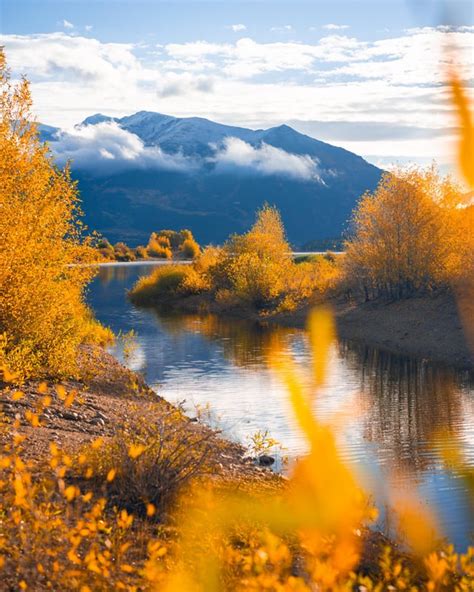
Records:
x=410, y=236
x=43, y=317
x=255, y=265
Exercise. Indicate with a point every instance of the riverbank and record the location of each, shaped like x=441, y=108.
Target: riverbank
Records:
x=427, y=327
x=108, y=399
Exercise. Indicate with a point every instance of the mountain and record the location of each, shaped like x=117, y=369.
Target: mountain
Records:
x=149, y=171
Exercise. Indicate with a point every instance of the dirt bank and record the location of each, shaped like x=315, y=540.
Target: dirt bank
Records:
x=107, y=399
x=427, y=327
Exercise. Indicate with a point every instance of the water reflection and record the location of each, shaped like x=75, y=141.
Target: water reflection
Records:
x=395, y=407
x=244, y=343
x=410, y=404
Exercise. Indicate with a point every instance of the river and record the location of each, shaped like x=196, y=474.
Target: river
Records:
x=390, y=409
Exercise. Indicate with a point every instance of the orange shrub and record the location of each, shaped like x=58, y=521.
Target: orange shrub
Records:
x=190, y=249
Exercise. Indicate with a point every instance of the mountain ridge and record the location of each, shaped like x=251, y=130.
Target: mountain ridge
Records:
x=211, y=177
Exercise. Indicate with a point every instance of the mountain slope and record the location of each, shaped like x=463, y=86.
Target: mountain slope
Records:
x=148, y=171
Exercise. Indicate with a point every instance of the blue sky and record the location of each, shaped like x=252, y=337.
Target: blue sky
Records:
x=184, y=20
x=365, y=75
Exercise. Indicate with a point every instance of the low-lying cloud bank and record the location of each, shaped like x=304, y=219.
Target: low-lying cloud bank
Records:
x=106, y=148
x=265, y=160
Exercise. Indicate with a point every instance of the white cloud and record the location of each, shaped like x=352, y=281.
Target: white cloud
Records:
x=107, y=147
x=282, y=29
x=172, y=84
x=58, y=56
x=397, y=80
x=265, y=160
x=88, y=27
x=237, y=28
x=67, y=24
x=334, y=27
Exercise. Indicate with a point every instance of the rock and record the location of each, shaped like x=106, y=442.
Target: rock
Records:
x=69, y=416
x=265, y=460
x=97, y=421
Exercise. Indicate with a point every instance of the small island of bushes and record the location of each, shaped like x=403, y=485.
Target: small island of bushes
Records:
x=164, y=244
x=252, y=271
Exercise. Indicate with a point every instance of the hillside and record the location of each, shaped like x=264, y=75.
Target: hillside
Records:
x=148, y=171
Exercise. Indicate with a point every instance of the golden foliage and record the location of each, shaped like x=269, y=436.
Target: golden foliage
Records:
x=466, y=124
x=164, y=283
x=43, y=318
x=410, y=236
x=237, y=541
x=465, y=157
x=190, y=249
x=254, y=270
x=92, y=521
x=158, y=249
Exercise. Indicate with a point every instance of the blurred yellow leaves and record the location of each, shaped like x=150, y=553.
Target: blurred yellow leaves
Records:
x=135, y=450
x=465, y=154
x=228, y=538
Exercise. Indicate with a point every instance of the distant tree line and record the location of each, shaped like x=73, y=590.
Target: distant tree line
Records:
x=323, y=244
x=164, y=244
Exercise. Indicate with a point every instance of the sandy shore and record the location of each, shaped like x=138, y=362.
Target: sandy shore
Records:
x=427, y=327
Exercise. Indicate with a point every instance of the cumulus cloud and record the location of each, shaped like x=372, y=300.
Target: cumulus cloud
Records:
x=107, y=148
x=238, y=27
x=396, y=80
x=265, y=160
x=67, y=24
x=88, y=27
x=334, y=27
x=174, y=85
x=61, y=56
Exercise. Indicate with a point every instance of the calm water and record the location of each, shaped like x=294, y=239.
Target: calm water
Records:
x=392, y=408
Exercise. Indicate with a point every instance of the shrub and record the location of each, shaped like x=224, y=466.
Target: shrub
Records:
x=163, y=283
x=155, y=249
x=151, y=462
x=161, y=240
x=141, y=252
x=173, y=242
x=123, y=252
x=170, y=236
x=255, y=265
x=43, y=317
x=190, y=249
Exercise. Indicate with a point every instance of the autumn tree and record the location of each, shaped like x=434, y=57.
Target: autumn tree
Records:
x=255, y=264
x=408, y=235
x=43, y=318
